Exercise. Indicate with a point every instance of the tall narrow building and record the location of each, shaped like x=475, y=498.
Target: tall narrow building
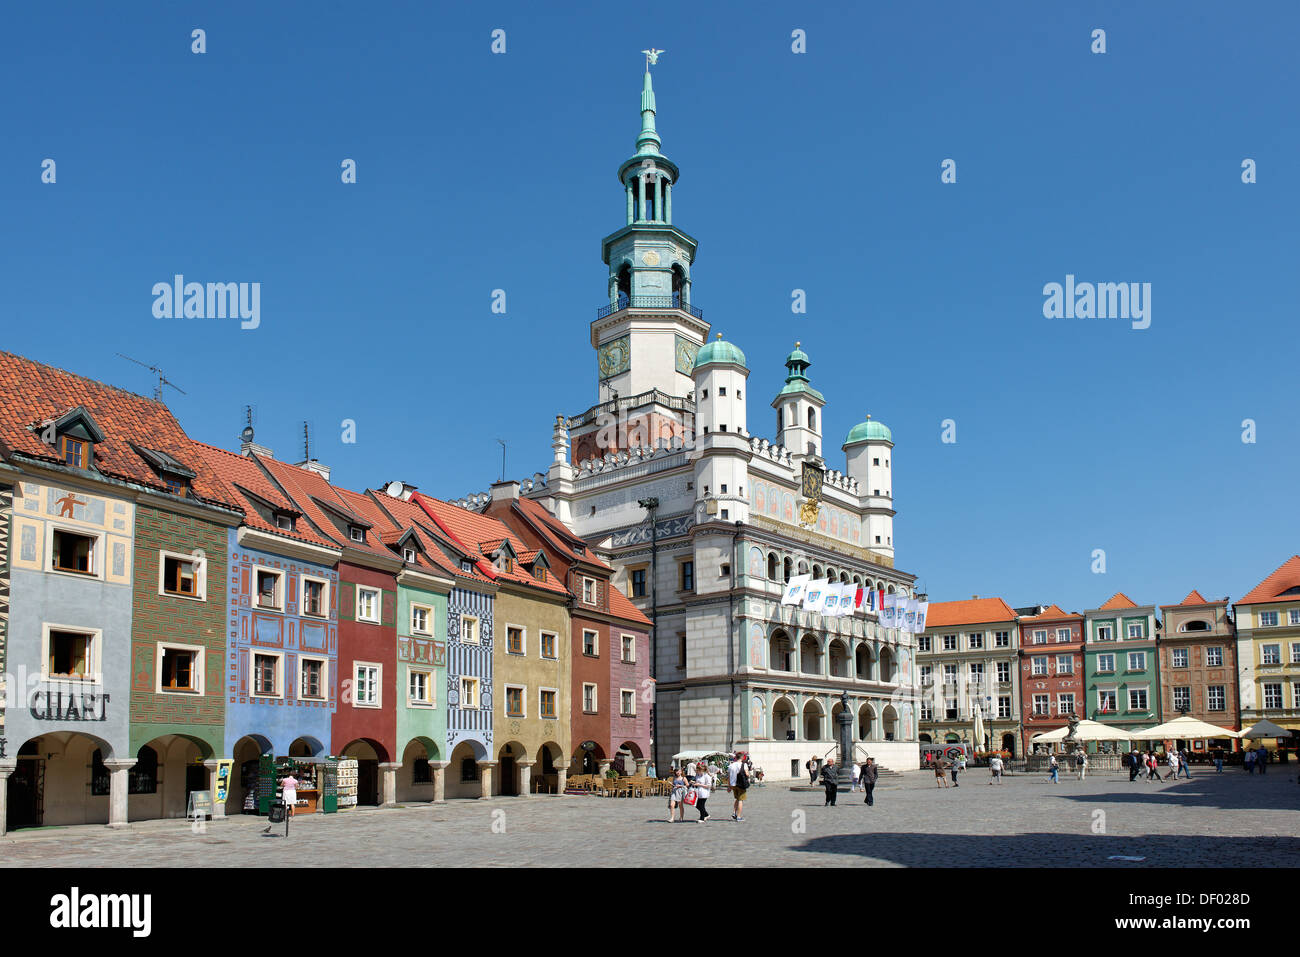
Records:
x=704, y=522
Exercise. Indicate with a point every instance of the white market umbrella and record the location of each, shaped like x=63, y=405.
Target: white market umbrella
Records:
x=1265, y=729
x=1088, y=731
x=1185, y=727
x=978, y=735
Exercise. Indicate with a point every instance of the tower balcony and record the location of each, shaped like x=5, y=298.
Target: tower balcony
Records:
x=648, y=302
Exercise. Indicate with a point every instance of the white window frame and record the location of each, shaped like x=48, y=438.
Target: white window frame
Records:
x=427, y=630
x=324, y=677
x=1040, y=636
x=975, y=641
x=1213, y=664
x=1068, y=661
x=1269, y=624
x=1001, y=639
x=96, y=550
x=379, y=604
x=1005, y=706
x=949, y=675
x=1137, y=654
x=477, y=685
x=1263, y=694
x=595, y=697
x=324, y=596
x=595, y=591
x=1176, y=653
x=523, y=700
x=949, y=642
x=1263, y=654
x=1061, y=707
x=1141, y=631
x=356, y=534
x=1173, y=695
x=595, y=644
x=1209, y=697
x=200, y=576
x=1113, y=692
x=923, y=643
x=1104, y=633
x=1108, y=656
x=378, y=703
x=541, y=645
x=631, y=693
x=541, y=711
x=1146, y=692
x=623, y=641
x=478, y=634
x=1038, y=666
x=523, y=640
x=199, y=669
x=1004, y=672
x=278, y=575
x=1295, y=652
x=431, y=689
x=1293, y=616
x=1046, y=705
x=1062, y=635
x=253, y=654
x=94, y=655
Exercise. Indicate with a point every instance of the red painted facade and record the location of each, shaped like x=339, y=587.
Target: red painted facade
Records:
x=361, y=641
x=1056, y=681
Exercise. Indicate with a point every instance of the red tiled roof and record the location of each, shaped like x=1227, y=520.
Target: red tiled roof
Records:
x=556, y=535
x=971, y=612
x=411, y=515
x=1194, y=597
x=1287, y=576
x=1052, y=613
x=1117, y=601
x=621, y=605
x=390, y=530
x=469, y=527
x=243, y=477
x=32, y=394
x=304, y=487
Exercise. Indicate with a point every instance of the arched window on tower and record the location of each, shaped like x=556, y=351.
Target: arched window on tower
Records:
x=680, y=295
x=812, y=419
x=624, y=285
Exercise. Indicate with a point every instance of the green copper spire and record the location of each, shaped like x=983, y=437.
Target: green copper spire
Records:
x=647, y=144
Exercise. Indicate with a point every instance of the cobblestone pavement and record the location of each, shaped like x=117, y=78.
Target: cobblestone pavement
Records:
x=1026, y=822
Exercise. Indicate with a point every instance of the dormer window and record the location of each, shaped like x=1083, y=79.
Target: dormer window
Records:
x=466, y=566
x=74, y=452
x=177, y=486
x=283, y=521
x=356, y=534
x=408, y=555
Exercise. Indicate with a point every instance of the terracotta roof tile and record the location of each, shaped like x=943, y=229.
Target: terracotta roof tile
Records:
x=242, y=475
x=32, y=393
x=1193, y=598
x=556, y=535
x=308, y=489
x=1286, y=577
x=1052, y=613
x=472, y=527
x=973, y=611
x=621, y=605
x=1117, y=601
x=411, y=515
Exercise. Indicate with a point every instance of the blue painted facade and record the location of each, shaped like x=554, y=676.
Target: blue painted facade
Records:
x=282, y=719
x=474, y=660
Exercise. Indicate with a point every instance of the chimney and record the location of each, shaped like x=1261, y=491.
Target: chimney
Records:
x=507, y=491
x=314, y=465
x=401, y=490
x=247, y=446
x=974, y=597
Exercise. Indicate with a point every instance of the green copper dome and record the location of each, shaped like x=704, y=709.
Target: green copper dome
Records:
x=719, y=351
x=798, y=356
x=869, y=431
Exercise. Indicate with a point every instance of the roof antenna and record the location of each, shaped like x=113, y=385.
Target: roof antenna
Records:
x=306, y=442
x=246, y=436
x=162, y=379
x=503, y=460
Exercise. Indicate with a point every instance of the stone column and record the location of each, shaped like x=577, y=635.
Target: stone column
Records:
x=525, y=777
x=117, y=799
x=389, y=769
x=5, y=770
x=218, y=807
x=629, y=204
x=561, y=778
x=485, y=778
x=439, y=771
x=668, y=203
x=641, y=196
x=659, y=198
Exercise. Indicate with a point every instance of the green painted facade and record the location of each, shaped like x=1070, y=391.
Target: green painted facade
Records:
x=1107, y=633
x=424, y=652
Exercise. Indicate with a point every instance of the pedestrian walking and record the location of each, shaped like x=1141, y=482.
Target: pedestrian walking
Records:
x=1054, y=768
x=1080, y=764
x=1171, y=759
x=956, y=766
x=703, y=788
x=869, y=775
x=995, y=769
x=677, y=799
x=939, y=780
x=1183, y=763
x=1261, y=759
x=738, y=784
x=811, y=768
x=830, y=781
x=857, y=775
x=1218, y=760
x=1248, y=762
x=1134, y=762
x=1153, y=767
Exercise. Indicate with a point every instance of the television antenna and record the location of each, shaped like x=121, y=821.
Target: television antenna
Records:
x=162, y=378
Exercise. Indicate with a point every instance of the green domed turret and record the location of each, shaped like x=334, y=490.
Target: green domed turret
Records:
x=719, y=351
x=869, y=431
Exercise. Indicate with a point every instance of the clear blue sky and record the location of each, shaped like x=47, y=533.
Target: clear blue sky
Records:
x=817, y=171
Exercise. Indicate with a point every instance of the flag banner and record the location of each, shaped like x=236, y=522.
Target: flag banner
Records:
x=794, y=590
x=922, y=609
x=814, y=595
x=887, y=611
x=848, y=598
x=857, y=598
x=831, y=608
x=909, y=616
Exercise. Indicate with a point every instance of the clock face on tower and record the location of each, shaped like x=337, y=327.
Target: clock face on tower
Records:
x=686, y=352
x=612, y=357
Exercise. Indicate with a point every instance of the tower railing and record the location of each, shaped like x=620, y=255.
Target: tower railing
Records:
x=648, y=302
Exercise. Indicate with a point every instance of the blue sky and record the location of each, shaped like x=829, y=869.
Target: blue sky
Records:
x=818, y=171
